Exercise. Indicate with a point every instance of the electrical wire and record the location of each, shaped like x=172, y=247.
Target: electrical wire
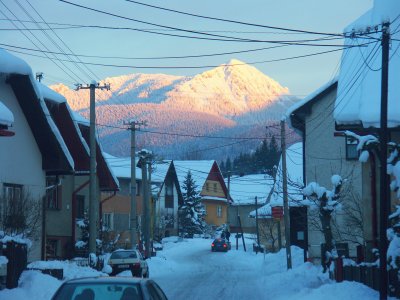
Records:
x=232, y=39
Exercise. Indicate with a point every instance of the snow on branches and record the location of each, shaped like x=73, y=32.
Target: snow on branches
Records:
x=326, y=201
x=371, y=143
x=192, y=211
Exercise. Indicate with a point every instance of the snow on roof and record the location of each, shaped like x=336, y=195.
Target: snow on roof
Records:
x=200, y=169
x=107, y=164
x=121, y=166
x=264, y=212
x=48, y=93
x=159, y=171
x=6, y=116
x=80, y=119
x=243, y=190
x=294, y=166
x=307, y=99
x=359, y=87
x=11, y=64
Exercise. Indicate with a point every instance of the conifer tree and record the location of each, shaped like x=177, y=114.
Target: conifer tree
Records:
x=192, y=211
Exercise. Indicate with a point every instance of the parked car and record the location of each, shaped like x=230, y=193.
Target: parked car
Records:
x=109, y=288
x=220, y=245
x=123, y=260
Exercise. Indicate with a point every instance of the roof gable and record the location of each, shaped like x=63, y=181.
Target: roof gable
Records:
x=107, y=180
x=56, y=157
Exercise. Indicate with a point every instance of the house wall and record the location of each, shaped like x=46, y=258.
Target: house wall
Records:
x=325, y=155
x=21, y=161
x=213, y=188
x=211, y=217
x=162, y=211
x=248, y=224
x=119, y=206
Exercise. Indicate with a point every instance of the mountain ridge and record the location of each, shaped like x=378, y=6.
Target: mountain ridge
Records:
x=231, y=96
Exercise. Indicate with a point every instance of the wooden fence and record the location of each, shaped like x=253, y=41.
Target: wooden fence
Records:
x=368, y=275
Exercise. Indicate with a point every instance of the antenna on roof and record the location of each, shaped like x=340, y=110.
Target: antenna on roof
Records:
x=39, y=76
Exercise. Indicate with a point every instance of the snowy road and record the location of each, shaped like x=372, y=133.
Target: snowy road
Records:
x=189, y=270
x=213, y=275
x=192, y=271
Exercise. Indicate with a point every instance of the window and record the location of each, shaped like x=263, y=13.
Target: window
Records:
x=51, y=248
x=351, y=149
x=219, y=211
x=215, y=187
x=108, y=221
x=80, y=206
x=53, y=193
x=137, y=188
x=12, y=196
x=169, y=196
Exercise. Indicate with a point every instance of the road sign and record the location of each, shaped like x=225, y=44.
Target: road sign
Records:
x=277, y=212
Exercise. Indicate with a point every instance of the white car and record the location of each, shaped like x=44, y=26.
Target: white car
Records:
x=123, y=260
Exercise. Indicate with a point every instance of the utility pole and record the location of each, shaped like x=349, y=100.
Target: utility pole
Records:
x=145, y=156
x=257, y=231
x=384, y=178
x=228, y=223
x=285, y=196
x=148, y=210
x=93, y=203
x=133, y=215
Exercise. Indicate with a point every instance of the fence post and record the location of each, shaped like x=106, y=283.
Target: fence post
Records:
x=17, y=256
x=339, y=269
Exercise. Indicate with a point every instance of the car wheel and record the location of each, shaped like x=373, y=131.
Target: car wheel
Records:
x=137, y=273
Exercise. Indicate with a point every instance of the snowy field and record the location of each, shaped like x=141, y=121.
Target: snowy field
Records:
x=189, y=270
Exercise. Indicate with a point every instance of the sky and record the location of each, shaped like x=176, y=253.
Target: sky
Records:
x=301, y=76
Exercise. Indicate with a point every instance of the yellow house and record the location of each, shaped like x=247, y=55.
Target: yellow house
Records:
x=211, y=186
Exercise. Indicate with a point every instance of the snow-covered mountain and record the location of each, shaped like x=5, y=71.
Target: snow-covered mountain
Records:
x=235, y=99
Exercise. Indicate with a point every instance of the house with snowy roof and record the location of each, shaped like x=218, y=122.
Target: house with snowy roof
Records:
x=165, y=200
x=47, y=162
x=243, y=191
x=269, y=225
x=210, y=185
x=351, y=102
x=325, y=155
x=36, y=149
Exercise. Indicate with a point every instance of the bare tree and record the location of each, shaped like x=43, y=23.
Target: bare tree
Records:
x=21, y=216
x=269, y=231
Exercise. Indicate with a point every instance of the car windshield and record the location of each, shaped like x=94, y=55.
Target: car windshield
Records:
x=123, y=254
x=99, y=291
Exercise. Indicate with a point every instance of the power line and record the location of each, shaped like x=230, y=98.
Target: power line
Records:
x=150, y=58
x=188, y=67
x=231, y=39
x=54, y=59
x=235, y=22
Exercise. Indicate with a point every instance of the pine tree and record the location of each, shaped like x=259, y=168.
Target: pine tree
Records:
x=192, y=211
x=228, y=164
